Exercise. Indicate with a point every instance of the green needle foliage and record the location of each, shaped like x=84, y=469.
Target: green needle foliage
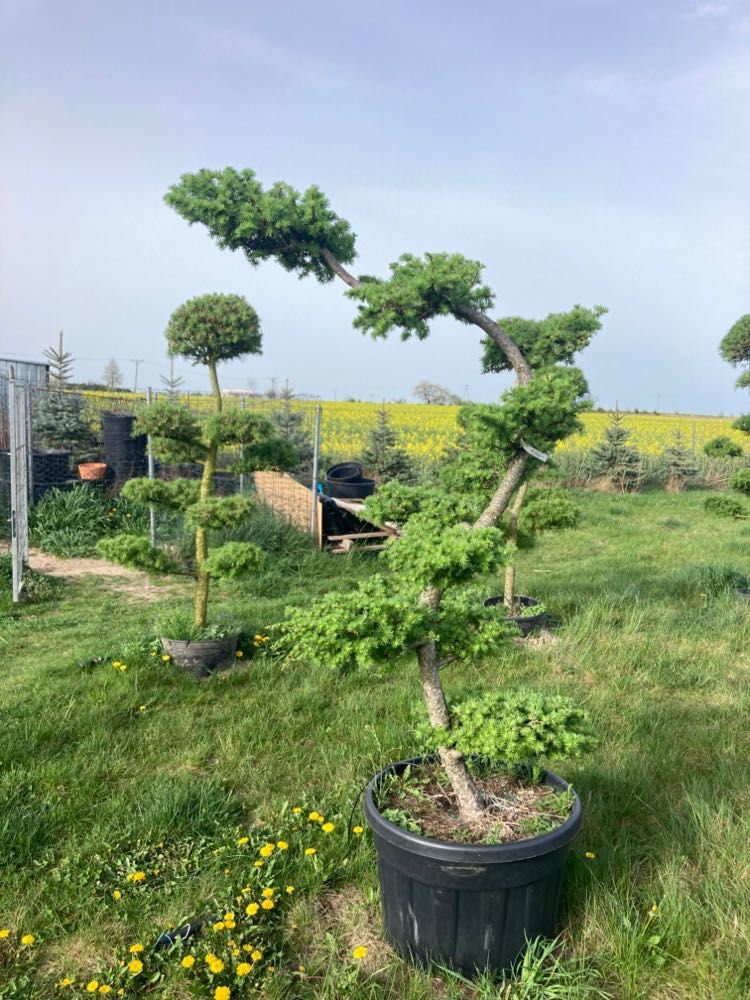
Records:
x=278, y=222
x=207, y=330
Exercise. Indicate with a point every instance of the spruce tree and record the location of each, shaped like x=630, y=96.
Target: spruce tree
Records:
x=614, y=460
x=289, y=425
x=680, y=464
x=382, y=457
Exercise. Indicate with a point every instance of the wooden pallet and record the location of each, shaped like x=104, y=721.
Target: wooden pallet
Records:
x=366, y=539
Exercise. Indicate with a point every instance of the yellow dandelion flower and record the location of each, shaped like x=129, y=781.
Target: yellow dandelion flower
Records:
x=137, y=877
x=297, y=810
x=313, y=816
x=239, y=654
x=92, y=986
x=229, y=915
x=135, y=966
x=267, y=850
x=66, y=981
x=267, y=904
x=256, y=955
x=166, y=658
x=188, y=962
x=282, y=845
x=327, y=828
x=590, y=855
x=244, y=968
x=259, y=863
x=359, y=830
x=230, y=925
x=27, y=940
x=268, y=892
x=105, y=989
x=290, y=889
x=219, y=926
x=251, y=909
x=242, y=841
x=210, y=957
x=359, y=952
x=4, y=933
x=216, y=966
x=222, y=993
x=135, y=949
x=309, y=851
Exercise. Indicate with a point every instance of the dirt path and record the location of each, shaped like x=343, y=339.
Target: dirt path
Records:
x=130, y=582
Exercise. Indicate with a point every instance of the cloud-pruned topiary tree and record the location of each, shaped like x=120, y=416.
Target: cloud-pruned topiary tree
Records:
x=422, y=603
x=207, y=330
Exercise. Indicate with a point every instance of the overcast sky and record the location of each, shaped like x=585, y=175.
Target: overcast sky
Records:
x=592, y=151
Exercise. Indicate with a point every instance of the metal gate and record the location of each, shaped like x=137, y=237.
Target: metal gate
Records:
x=20, y=457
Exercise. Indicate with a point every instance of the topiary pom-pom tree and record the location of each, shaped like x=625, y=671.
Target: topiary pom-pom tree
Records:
x=207, y=330
x=422, y=603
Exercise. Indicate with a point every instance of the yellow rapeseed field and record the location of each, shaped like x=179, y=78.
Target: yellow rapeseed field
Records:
x=426, y=432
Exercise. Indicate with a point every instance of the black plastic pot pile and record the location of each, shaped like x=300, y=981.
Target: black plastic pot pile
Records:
x=346, y=482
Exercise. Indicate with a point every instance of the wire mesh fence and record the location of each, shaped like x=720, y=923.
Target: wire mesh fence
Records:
x=91, y=437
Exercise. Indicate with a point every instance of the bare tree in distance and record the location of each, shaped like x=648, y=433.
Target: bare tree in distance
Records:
x=112, y=375
x=435, y=395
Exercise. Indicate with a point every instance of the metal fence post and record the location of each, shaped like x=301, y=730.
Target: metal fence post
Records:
x=242, y=456
x=18, y=401
x=151, y=475
x=314, y=485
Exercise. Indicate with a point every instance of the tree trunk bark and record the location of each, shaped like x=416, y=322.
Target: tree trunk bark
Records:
x=200, y=609
x=510, y=570
x=468, y=796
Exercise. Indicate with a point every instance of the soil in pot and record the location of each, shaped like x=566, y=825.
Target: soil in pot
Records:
x=201, y=657
x=421, y=800
x=469, y=906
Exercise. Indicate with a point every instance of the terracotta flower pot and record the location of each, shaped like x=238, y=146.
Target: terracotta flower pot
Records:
x=92, y=471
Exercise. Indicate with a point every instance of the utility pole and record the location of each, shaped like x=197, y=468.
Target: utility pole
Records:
x=136, y=362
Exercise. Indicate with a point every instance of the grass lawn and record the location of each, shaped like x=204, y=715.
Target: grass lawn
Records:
x=108, y=773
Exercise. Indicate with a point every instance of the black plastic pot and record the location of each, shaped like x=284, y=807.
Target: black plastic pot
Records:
x=525, y=623
x=345, y=472
x=471, y=907
x=124, y=452
x=202, y=656
x=350, y=490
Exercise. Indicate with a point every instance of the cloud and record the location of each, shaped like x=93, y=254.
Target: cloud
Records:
x=704, y=9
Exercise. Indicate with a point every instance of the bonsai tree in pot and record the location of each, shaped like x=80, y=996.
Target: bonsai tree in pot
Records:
x=423, y=604
x=208, y=330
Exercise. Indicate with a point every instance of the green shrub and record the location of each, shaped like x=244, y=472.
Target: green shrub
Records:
x=69, y=523
x=135, y=551
x=724, y=506
x=722, y=447
x=740, y=481
x=544, y=509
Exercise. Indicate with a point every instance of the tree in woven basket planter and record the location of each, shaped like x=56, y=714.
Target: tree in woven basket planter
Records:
x=443, y=895
x=208, y=330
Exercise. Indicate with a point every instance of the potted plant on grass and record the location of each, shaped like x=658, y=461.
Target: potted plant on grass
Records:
x=207, y=330
x=473, y=894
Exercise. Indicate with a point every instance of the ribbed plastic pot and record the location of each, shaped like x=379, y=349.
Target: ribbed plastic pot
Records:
x=525, y=623
x=349, y=490
x=471, y=907
x=203, y=656
x=345, y=472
